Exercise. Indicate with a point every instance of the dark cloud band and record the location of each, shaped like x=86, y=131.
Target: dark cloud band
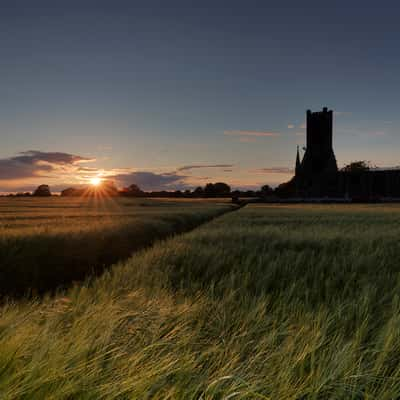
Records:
x=34, y=163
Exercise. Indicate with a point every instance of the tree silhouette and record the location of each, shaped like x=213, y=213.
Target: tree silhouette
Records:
x=266, y=190
x=132, y=190
x=217, y=189
x=357, y=166
x=42, y=191
x=198, y=192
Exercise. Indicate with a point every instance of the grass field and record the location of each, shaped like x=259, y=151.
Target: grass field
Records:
x=269, y=302
x=49, y=242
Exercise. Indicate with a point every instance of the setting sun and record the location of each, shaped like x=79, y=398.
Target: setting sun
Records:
x=95, y=181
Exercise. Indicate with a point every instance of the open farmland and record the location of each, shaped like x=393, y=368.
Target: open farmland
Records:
x=49, y=242
x=269, y=302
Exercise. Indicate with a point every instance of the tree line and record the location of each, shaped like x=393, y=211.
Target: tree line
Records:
x=108, y=189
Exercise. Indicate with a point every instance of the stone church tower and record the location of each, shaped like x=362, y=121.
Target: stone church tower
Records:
x=315, y=171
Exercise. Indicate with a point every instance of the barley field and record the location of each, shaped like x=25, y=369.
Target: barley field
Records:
x=48, y=242
x=266, y=302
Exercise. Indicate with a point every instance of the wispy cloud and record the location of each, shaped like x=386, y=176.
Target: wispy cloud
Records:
x=88, y=169
x=290, y=126
x=273, y=170
x=199, y=166
x=252, y=133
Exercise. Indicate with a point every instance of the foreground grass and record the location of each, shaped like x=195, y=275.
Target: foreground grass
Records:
x=289, y=302
x=45, y=243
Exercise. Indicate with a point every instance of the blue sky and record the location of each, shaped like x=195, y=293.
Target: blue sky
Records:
x=137, y=90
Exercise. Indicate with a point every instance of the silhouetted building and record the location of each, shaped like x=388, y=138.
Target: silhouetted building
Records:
x=319, y=157
x=317, y=175
x=371, y=185
x=298, y=163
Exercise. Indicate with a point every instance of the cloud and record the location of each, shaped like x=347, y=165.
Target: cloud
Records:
x=147, y=180
x=197, y=166
x=274, y=170
x=51, y=157
x=150, y=180
x=60, y=170
x=251, y=133
x=290, y=126
x=88, y=169
x=34, y=163
x=28, y=169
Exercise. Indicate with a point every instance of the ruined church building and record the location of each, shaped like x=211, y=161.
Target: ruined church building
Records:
x=317, y=174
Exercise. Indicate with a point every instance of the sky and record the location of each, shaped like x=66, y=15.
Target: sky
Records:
x=174, y=94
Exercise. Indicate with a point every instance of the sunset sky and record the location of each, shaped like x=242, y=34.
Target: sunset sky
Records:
x=175, y=94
